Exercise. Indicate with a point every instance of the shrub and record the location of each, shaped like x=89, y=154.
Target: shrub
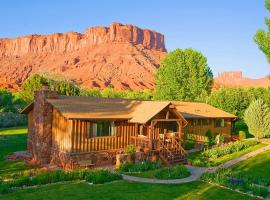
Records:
x=228, y=149
x=8, y=119
x=130, y=149
x=242, y=135
x=259, y=191
x=210, y=138
x=188, y=144
x=139, y=167
x=257, y=117
x=219, y=139
x=102, y=176
x=176, y=172
x=98, y=176
x=240, y=181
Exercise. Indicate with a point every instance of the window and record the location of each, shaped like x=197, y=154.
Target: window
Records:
x=206, y=122
x=220, y=123
x=102, y=128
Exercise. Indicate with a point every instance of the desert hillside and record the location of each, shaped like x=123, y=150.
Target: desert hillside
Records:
x=123, y=56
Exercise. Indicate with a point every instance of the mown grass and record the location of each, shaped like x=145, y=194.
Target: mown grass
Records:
x=127, y=191
x=12, y=139
x=258, y=166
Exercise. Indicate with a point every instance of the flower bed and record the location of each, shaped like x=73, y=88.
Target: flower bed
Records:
x=98, y=176
x=218, y=155
x=240, y=181
x=139, y=167
x=154, y=170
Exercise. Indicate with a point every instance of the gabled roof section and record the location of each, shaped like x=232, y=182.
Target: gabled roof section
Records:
x=200, y=110
x=147, y=110
x=74, y=107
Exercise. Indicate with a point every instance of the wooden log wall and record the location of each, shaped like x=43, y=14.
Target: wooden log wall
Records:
x=82, y=142
x=61, y=132
x=202, y=129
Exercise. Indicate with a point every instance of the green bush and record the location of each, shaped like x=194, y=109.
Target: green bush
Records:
x=139, y=167
x=130, y=149
x=228, y=148
x=189, y=144
x=242, y=135
x=259, y=191
x=175, y=172
x=97, y=176
x=241, y=181
x=210, y=138
x=8, y=119
x=102, y=176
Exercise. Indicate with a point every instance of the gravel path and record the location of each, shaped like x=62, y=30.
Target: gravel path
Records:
x=196, y=172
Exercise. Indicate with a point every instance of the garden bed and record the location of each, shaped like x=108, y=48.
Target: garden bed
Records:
x=243, y=182
x=219, y=155
x=20, y=180
x=155, y=170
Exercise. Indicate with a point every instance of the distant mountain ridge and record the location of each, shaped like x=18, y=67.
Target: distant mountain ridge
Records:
x=236, y=79
x=123, y=56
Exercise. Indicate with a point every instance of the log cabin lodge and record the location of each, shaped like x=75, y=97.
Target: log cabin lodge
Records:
x=70, y=130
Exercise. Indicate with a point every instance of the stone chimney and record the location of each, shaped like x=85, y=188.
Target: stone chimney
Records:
x=42, y=121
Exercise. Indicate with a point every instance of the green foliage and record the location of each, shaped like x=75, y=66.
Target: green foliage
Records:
x=188, y=144
x=262, y=37
x=35, y=82
x=236, y=100
x=242, y=135
x=9, y=119
x=102, y=176
x=183, y=75
x=139, y=167
x=240, y=181
x=219, y=139
x=210, y=138
x=175, y=172
x=240, y=125
x=10, y=102
x=130, y=149
x=218, y=155
x=228, y=148
x=257, y=118
x=98, y=176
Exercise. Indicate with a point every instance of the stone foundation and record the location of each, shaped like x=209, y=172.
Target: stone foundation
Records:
x=69, y=161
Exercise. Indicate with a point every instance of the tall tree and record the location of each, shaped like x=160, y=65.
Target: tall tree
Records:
x=257, y=118
x=262, y=37
x=183, y=75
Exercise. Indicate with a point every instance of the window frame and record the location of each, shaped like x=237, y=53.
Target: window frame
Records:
x=222, y=123
x=96, y=132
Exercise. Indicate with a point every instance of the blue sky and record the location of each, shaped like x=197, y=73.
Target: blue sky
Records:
x=222, y=30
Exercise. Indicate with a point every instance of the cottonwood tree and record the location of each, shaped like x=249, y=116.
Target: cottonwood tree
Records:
x=183, y=75
x=257, y=118
x=262, y=37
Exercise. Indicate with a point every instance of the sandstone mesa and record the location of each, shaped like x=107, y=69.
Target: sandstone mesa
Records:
x=123, y=56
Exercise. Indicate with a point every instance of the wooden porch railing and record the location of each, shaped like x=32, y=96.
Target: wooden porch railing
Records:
x=142, y=142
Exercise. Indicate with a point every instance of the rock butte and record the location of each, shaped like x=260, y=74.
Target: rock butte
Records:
x=123, y=56
x=236, y=79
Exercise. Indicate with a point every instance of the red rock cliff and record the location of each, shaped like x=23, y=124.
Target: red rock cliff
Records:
x=236, y=79
x=72, y=41
x=123, y=56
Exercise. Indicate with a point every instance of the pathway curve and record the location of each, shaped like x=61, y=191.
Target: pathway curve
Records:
x=196, y=172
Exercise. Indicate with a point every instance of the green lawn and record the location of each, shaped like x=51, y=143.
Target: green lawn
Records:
x=126, y=190
x=228, y=157
x=15, y=140
x=12, y=139
x=258, y=166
